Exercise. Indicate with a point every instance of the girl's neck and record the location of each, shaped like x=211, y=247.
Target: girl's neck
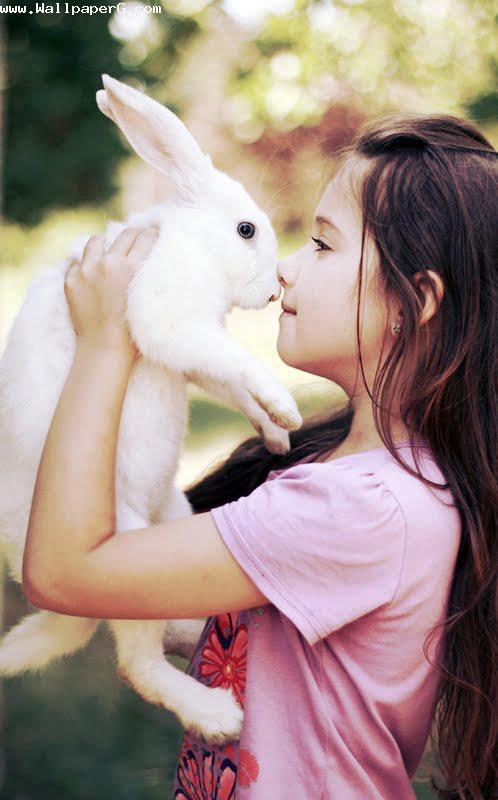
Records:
x=354, y=444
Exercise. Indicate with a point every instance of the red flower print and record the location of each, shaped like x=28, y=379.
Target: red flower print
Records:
x=201, y=782
x=248, y=768
x=225, y=666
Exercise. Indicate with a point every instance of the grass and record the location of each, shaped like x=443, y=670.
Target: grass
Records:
x=75, y=732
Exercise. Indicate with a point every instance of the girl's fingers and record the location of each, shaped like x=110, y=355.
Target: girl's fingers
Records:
x=71, y=267
x=144, y=243
x=122, y=244
x=92, y=254
x=134, y=242
x=70, y=264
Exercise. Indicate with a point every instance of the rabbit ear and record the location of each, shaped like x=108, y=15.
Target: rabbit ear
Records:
x=104, y=106
x=157, y=135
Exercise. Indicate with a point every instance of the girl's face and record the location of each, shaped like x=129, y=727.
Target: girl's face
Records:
x=320, y=287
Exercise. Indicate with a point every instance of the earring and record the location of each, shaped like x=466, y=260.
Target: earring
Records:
x=396, y=327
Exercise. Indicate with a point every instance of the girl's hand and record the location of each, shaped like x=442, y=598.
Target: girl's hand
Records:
x=96, y=289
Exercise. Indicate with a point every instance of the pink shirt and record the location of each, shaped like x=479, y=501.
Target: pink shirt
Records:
x=356, y=558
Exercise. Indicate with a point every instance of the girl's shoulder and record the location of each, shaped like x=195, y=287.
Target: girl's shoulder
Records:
x=379, y=461
x=417, y=484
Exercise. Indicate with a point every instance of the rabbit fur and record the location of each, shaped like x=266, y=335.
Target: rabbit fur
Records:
x=200, y=267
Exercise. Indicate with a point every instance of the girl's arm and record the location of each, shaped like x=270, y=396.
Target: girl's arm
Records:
x=73, y=561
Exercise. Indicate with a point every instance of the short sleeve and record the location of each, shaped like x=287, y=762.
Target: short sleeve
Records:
x=324, y=542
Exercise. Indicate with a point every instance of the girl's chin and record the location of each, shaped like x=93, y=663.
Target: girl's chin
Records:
x=285, y=352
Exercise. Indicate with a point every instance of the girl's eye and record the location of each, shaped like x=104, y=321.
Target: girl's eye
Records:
x=321, y=245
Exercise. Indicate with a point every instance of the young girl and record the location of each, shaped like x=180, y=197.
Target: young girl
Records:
x=350, y=585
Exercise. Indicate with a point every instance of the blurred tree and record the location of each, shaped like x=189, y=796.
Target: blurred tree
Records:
x=372, y=56
x=62, y=152
x=375, y=56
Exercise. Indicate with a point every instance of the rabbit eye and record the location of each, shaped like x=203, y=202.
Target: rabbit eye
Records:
x=246, y=230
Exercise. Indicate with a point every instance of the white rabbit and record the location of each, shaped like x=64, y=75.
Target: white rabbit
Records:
x=215, y=249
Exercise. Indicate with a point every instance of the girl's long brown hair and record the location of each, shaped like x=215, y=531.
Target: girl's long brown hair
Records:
x=429, y=200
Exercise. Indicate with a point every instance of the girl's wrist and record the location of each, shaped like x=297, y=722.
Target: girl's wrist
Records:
x=114, y=345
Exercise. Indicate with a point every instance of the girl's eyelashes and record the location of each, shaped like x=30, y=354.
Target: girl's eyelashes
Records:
x=321, y=245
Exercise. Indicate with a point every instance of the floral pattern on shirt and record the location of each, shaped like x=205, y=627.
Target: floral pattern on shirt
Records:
x=202, y=778
x=212, y=772
x=223, y=659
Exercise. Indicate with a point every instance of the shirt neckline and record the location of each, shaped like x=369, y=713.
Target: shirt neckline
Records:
x=404, y=443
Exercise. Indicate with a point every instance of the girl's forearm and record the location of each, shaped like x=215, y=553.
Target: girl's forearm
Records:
x=73, y=506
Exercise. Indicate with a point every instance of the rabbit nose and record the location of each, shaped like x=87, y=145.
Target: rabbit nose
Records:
x=275, y=297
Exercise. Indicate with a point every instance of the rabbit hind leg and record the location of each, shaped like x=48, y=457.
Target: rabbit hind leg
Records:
x=39, y=638
x=213, y=714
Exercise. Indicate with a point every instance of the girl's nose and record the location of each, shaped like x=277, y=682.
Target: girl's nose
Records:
x=281, y=281
x=281, y=278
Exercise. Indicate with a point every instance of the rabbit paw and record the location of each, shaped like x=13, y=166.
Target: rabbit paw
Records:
x=276, y=439
x=217, y=718
x=276, y=401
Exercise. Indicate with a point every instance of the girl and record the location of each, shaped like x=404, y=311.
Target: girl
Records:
x=360, y=568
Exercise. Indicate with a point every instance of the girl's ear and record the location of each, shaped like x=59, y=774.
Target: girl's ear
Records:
x=157, y=136
x=430, y=287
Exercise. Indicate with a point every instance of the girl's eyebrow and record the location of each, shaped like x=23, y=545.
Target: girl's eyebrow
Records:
x=324, y=221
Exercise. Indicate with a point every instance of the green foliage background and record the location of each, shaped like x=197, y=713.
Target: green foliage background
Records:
x=60, y=152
